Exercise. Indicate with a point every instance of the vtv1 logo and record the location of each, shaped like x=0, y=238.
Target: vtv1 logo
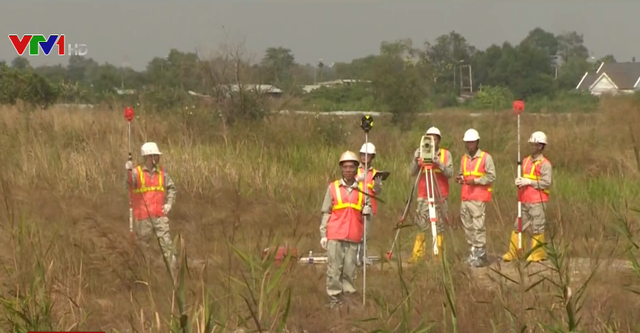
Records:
x=39, y=42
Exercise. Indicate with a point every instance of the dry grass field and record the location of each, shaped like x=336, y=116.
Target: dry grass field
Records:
x=68, y=264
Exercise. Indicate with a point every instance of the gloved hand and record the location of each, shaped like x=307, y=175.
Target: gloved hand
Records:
x=436, y=161
x=522, y=181
x=128, y=165
x=360, y=178
x=166, y=208
x=323, y=242
x=366, y=210
x=416, y=155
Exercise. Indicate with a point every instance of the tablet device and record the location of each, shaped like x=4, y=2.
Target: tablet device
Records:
x=383, y=174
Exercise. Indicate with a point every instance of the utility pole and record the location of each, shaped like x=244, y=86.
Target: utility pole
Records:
x=458, y=63
x=125, y=64
x=315, y=71
x=463, y=88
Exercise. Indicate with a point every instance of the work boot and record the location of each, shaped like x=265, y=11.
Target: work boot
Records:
x=513, y=248
x=350, y=299
x=479, y=257
x=419, y=248
x=470, y=257
x=335, y=301
x=440, y=242
x=360, y=256
x=538, y=254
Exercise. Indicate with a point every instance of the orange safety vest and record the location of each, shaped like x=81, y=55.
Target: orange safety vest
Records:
x=369, y=181
x=530, y=194
x=346, y=221
x=472, y=169
x=441, y=179
x=148, y=195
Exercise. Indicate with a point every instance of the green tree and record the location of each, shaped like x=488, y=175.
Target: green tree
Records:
x=525, y=69
x=445, y=56
x=484, y=66
x=543, y=40
x=532, y=73
x=27, y=86
x=55, y=74
x=20, y=63
x=570, y=72
x=399, y=81
x=83, y=73
x=160, y=72
x=571, y=45
x=277, y=64
x=358, y=69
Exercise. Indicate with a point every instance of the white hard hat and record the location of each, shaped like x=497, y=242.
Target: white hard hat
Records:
x=538, y=137
x=368, y=148
x=434, y=131
x=471, y=135
x=349, y=156
x=150, y=148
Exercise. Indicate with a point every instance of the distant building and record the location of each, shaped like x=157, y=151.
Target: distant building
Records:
x=612, y=78
x=124, y=91
x=342, y=82
x=311, y=87
x=339, y=82
x=270, y=90
x=263, y=88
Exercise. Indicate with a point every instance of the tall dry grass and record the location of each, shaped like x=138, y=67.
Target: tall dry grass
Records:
x=68, y=264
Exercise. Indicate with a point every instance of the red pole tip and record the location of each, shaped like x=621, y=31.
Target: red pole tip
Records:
x=518, y=106
x=128, y=113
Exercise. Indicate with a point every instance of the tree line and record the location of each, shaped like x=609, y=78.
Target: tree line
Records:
x=403, y=78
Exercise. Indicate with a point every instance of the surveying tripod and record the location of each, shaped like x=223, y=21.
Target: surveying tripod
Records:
x=427, y=155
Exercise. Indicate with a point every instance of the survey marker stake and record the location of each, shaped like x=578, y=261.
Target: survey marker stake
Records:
x=518, y=108
x=366, y=123
x=128, y=115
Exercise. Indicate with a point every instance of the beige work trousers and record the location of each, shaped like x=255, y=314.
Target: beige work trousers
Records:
x=472, y=214
x=144, y=230
x=367, y=226
x=341, y=267
x=423, y=218
x=533, y=218
x=368, y=221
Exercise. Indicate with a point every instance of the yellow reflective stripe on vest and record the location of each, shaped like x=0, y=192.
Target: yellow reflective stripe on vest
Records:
x=373, y=170
x=475, y=171
x=531, y=175
x=143, y=188
x=342, y=205
x=442, y=159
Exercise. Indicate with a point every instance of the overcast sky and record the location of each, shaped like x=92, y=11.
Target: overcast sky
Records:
x=134, y=32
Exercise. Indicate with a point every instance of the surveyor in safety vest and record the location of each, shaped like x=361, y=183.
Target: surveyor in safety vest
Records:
x=374, y=185
x=443, y=171
x=533, y=191
x=152, y=196
x=477, y=174
x=342, y=228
